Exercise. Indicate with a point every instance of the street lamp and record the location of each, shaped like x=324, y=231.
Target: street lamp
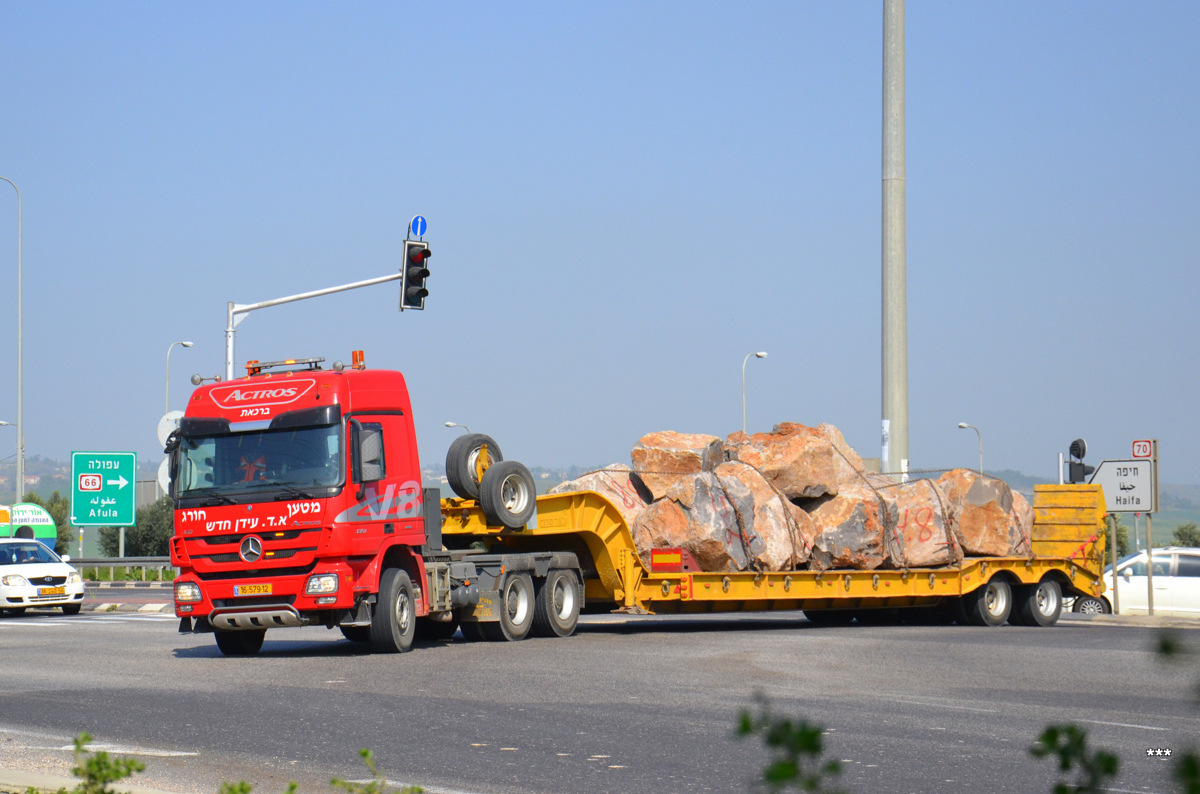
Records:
x=964, y=426
x=20, y=326
x=747, y=358
x=167, y=409
x=456, y=424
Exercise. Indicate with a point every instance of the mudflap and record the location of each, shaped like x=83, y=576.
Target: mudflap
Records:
x=199, y=625
x=486, y=611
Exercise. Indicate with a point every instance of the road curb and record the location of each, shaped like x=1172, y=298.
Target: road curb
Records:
x=1141, y=621
x=148, y=609
x=20, y=782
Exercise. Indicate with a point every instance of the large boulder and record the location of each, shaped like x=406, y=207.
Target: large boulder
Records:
x=617, y=483
x=981, y=513
x=918, y=523
x=850, y=529
x=785, y=529
x=711, y=517
x=660, y=459
x=800, y=462
x=1020, y=525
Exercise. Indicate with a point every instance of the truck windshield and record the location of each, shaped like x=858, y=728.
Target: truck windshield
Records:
x=294, y=459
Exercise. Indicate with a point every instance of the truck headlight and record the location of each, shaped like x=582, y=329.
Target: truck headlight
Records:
x=74, y=578
x=13, y=580
x=321, y=583
x=187, y=591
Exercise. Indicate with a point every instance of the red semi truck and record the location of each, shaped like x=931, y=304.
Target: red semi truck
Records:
x=299, y=502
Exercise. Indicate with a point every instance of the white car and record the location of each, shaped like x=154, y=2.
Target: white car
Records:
x=1176, y=584
x=32, y=575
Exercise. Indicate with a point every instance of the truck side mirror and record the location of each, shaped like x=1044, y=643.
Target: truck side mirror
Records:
x=367, y=463
x=371, y=454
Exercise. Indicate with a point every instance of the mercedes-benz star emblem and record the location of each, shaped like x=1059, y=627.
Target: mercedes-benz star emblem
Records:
x=251, y=549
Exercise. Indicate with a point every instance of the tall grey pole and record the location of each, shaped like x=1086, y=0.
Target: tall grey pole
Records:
x=20, y=368
x=895, y=299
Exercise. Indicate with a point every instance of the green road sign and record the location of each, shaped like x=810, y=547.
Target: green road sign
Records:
x=103, y=493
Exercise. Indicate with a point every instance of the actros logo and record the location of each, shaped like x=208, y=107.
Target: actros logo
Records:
x=236, y=396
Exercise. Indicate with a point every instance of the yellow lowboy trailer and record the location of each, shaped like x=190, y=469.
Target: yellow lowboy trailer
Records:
x=1067, y=559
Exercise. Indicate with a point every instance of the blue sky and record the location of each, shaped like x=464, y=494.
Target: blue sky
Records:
x=623, y=200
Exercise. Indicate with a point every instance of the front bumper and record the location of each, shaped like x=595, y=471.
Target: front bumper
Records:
x=265, y=602
x=40, y=596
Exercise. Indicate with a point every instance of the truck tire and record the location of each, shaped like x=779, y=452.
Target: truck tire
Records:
x=356, y=633
x=556, y=605
x=394, y=621
x=516, y=610
x=240, y=643
x=507, y=494
x=436, y=630
x=1037, y=604
x=461, y=459
x=1090, y=605
x=989, y=605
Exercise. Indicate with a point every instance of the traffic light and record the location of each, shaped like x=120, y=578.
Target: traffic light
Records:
x=412, y=285
x=1077, y=471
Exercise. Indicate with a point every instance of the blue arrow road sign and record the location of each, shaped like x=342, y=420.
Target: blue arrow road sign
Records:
x=418, y=226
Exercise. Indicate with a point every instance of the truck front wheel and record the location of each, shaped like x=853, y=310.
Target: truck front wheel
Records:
x=516, y=610
x=395, y=618
x=240, y=643
x=556, y=607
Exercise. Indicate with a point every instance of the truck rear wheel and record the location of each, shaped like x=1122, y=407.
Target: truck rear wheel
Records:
x=240, y=643
x=556, y=606
x=989, y=605
x=507, y=494
x=516, y=610
x=395, y=618
x=462, y=459
x=1038, y=604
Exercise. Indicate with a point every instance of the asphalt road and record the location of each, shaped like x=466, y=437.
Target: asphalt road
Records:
x=628, y=703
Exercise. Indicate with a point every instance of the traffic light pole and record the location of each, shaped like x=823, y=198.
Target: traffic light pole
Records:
x=238, y=311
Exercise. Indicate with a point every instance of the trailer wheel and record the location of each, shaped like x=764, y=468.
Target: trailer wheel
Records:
x=507, y=494
x=462, y=459
x=1090, y=605
x=556, y=606
x=989, y=605
x=1037, y=604
x=356, y=633
x=240, y=643
x=395, y=618
x=516, y=610
x=436, y=630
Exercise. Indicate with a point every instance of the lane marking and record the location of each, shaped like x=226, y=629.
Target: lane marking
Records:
x=945, y=706
x=1124, y=725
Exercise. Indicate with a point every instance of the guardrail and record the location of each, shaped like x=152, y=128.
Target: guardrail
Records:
x=159, y=565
